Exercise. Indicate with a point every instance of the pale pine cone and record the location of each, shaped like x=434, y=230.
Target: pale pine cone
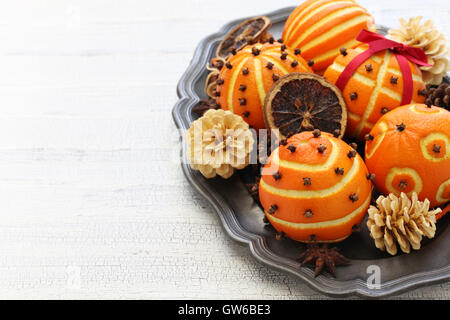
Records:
x=431, y=41
x=400, y=220
x=218, y=143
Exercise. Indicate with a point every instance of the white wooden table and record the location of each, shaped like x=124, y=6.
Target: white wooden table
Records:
x=92, y=201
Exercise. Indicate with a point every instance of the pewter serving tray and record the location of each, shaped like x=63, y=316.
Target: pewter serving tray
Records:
x=242, y=218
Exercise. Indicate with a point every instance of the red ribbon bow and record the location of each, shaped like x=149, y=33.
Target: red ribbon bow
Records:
x=402, y=52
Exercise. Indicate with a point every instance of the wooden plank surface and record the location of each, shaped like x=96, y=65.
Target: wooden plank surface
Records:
x=93, y=203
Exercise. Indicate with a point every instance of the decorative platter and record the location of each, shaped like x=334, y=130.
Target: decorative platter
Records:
x=242, y=218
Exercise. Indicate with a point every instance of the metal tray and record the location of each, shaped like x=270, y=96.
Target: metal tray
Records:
x=242, y=218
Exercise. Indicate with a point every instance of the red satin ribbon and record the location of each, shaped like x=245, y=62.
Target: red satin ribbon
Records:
x=402, y=52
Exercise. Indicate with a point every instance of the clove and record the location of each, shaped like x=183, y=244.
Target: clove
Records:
x=291, y=148
x=308, y=213
x=401, y=127
x=273, y=208
x=276, y=176
x=316, y=133
x=354, y=197
x=321, y=148
x=351, y=154
x=306, y=181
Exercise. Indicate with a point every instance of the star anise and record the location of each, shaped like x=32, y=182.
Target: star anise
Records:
x=322, y=256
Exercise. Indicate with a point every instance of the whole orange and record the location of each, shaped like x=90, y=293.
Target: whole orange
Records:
x=375, y=88
x=321, y=27
x=408, y=150
x=247, y=77
x=315, y=188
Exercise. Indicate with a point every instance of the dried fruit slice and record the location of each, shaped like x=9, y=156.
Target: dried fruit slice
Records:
x=247, y=32
x=211, y=80
x=303, y=102
x=211, y=83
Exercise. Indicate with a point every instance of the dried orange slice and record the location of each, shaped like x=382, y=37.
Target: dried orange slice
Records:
x=303, y=102
x=247, y=32
x=211, y=83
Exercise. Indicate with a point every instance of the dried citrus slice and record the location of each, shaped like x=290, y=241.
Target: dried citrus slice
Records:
x=247, y=32
x=211, y=83
x=214, y=68
x=303, y=102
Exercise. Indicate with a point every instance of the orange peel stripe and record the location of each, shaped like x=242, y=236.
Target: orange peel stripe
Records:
x=334, y=15
x=383, y=126
x=353, y=116
x=440, y=193
x=335, y=51
x=374, y=57
x=297, y=20
x=308, y=194
x=364, y=47
x=329, y=163
x=392, y=94
x=414, y=109
x=375, y=92
x=343, y=27
x=323, y=224
x=357, y=76
x=276, y=63
x=259, y=80
x=233, y=83
x=435, y=136
x=276, y=56
x=396, y=72
x=404, y=171
x=275, y=49
x=302, y=18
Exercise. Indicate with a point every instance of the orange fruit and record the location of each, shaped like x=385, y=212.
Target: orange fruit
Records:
x=315, y=188
x=321, y=27
x=409, y=150
x=247, y=77
x=375, y=88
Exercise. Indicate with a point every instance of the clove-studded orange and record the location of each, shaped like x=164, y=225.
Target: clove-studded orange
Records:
x=248, y=75
x=315, y=188
x=320, y=28
x=409, y=151
x=374, y=89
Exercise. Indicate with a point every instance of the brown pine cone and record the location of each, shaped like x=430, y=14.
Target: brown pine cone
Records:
x=439, y=96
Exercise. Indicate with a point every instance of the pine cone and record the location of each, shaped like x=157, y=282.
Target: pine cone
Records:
x=401, y=220
x=218, y=143
x=431, y=41
x=439, y=96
